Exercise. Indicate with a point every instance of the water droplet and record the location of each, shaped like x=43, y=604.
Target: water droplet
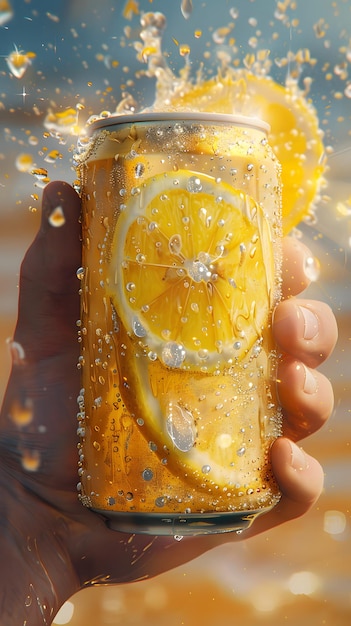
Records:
x=312, y=268
x=130, y=287
x=140, y=258
x=241, y=451
x=160, y=501
x=173, y=354
x=194, y=184
x=24, y=162
x=31, y=460
x=138, y=328
x=16, y=351
x=80, y=273
x=198, y=271
x=175, y=244
x=181, y=428
x=186, y=8
x=139, y=170
x=129, y=496
x=57, y=217
x=206, y=469
x=21, y=413
x=148, y=474
x=19, y=61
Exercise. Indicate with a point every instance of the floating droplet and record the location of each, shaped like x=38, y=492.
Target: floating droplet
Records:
x=24, y=162
x=181, y=428
x=80, y=273
x=6, y=12
x=186, y=8
x=19, y=61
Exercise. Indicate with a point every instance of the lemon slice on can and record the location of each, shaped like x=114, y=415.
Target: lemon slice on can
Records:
x=193, y=270
x=295, y=135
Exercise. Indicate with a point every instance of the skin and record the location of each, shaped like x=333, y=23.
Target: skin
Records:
x=50, y=545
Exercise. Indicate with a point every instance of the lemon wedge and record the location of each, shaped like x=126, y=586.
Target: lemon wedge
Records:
x=295, y=135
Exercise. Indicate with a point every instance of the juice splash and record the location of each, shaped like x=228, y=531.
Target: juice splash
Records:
x=295, y=135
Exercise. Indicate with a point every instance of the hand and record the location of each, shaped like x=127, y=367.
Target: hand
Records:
x=50, y=545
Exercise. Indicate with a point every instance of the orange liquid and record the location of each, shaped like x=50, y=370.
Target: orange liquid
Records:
x=192, y=436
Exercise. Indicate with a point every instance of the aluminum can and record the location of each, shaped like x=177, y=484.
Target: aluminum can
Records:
x=181, y=269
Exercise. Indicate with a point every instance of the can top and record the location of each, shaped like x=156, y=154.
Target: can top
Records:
x=184, y=116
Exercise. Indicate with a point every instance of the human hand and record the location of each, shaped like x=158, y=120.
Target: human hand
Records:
x=50, y=545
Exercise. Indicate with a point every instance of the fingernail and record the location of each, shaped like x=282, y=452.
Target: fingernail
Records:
x=311, y=325
x=310, y=385
x=299, y=460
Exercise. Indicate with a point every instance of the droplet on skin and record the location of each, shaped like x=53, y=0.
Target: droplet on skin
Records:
x=312, y=268
x=16, y=352
x=57, y=217
x=31, y=460
x=22, y=414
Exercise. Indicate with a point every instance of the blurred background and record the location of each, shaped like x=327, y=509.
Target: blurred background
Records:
x=74, y=58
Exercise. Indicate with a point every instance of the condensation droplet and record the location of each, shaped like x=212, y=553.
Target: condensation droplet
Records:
x=181, y=428
x=148, y=474
x=80, y=273
x=173, y=354
x=194, y=184
x=138, y=328
x=241, y=451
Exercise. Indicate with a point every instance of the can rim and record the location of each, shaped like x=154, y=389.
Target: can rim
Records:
x=153, y=116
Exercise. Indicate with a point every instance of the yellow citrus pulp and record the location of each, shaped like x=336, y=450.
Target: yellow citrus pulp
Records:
x=295, y=136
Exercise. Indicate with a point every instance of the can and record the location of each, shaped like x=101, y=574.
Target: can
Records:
x=181, y=269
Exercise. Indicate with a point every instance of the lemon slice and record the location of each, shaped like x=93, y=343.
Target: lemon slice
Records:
x=295, y=135
x=193, y=270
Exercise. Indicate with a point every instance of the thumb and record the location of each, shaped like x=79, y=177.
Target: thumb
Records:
x=48, y=298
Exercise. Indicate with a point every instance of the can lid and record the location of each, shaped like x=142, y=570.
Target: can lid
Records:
x=184, y=116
